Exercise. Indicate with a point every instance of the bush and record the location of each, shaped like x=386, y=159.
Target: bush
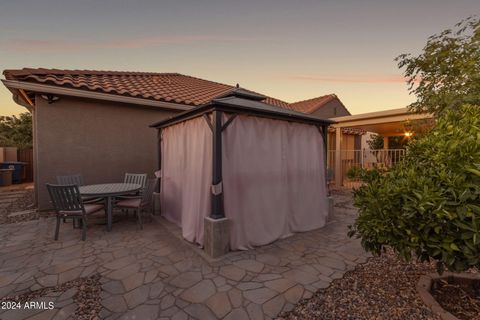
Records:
x=353, y=173
x=429, y=204
x=364, y=175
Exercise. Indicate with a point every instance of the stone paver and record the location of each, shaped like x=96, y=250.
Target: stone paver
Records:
x=232, y=272
x=260, y=295
x=151, y=273
x=199, y=292
x=219, y=304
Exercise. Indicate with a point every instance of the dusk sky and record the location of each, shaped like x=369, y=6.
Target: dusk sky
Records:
x=291, y=50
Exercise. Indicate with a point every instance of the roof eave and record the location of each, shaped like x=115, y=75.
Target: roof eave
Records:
x=42, y=88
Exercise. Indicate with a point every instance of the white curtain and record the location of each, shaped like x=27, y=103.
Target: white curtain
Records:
x=273, y=179
x=187, y=176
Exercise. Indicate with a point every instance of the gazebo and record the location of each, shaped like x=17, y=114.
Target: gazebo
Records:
x=238, y=173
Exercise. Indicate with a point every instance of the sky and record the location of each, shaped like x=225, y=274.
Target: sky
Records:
x=290, y=50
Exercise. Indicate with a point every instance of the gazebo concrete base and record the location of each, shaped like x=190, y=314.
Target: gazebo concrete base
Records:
x=216, y=237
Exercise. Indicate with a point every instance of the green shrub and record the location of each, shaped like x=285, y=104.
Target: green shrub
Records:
x=353, y=173
x=429, y=204
x=364, y=175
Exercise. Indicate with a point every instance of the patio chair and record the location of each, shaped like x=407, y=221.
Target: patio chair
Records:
x=137, y=178
x=67, y=203
x=76, y=179
x=330, y=176
x=70, y=179
x=140, y=203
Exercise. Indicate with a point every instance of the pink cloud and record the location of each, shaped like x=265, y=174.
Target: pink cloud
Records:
x=132, y=43
x=374, y=78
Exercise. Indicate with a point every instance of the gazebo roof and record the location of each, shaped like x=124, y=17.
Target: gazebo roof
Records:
x=244, y=102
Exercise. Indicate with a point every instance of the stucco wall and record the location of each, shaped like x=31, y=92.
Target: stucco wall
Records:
x=100, y=140
x=332, y=109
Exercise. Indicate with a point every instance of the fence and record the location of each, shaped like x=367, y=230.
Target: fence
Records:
x=26, y=155
x=365, y=158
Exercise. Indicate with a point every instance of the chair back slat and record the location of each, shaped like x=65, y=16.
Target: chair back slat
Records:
x=70, y=180
x=147, y=195
x=65, y=198
x=136, y=178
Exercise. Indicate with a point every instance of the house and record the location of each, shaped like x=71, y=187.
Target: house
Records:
x=96, y=122
x=387, y=123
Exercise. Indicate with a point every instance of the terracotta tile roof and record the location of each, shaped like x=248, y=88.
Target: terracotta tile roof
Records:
x=351, y=131
x=168, y=87
x=312, y=105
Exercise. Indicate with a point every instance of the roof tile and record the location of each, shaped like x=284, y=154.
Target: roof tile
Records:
x=147, y=85
x=312, y=105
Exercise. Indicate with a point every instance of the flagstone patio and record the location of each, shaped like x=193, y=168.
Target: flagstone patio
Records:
x=152, y=273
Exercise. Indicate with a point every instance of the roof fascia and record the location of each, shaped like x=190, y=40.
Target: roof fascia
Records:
x=35, y=87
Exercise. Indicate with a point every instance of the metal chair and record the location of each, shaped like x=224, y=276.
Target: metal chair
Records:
x=140, y=203
x=67, y=202
x=330, y=177
x=76, y=179
x=70, y=180
x=136, y=178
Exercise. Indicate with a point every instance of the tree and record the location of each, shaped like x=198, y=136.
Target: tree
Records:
x=16, y=131
x=375, y=142
x=428, y=205
x=447, y=73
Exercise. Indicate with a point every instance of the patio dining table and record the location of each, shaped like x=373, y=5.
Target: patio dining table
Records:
x=108, y=191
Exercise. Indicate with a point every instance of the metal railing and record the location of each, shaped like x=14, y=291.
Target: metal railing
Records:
x=364, y=158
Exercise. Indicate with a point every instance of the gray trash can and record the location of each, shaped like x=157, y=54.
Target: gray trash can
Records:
x=6, y=176
x=18, y=170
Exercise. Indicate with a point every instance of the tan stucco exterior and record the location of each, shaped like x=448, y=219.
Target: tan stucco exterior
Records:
x=99, y=139
x=333, y=108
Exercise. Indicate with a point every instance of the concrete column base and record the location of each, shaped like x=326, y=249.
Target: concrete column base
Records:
x=216, y=237
x=331, y=204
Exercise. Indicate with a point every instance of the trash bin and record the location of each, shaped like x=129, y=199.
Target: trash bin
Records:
x=18, y=170
x=6, y=177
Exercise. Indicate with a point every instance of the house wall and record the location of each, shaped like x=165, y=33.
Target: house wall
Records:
x=331, y=109
x=101, y=140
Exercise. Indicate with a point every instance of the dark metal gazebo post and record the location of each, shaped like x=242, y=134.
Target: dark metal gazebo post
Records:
x=325, y=151
x=323, y=129
x=159, y=153
x=217, y=186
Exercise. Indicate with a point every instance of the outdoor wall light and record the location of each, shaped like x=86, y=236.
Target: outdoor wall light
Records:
x=50, y=98
x=408, y=134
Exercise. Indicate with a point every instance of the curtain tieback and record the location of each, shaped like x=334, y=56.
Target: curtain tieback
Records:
x=217, y=188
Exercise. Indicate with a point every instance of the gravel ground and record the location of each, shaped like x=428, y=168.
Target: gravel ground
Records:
x=382, y=288
x=22, y=204
x=87, y=296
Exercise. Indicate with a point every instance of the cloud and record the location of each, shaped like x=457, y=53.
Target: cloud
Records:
x=60, y=45
x=373, y=78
